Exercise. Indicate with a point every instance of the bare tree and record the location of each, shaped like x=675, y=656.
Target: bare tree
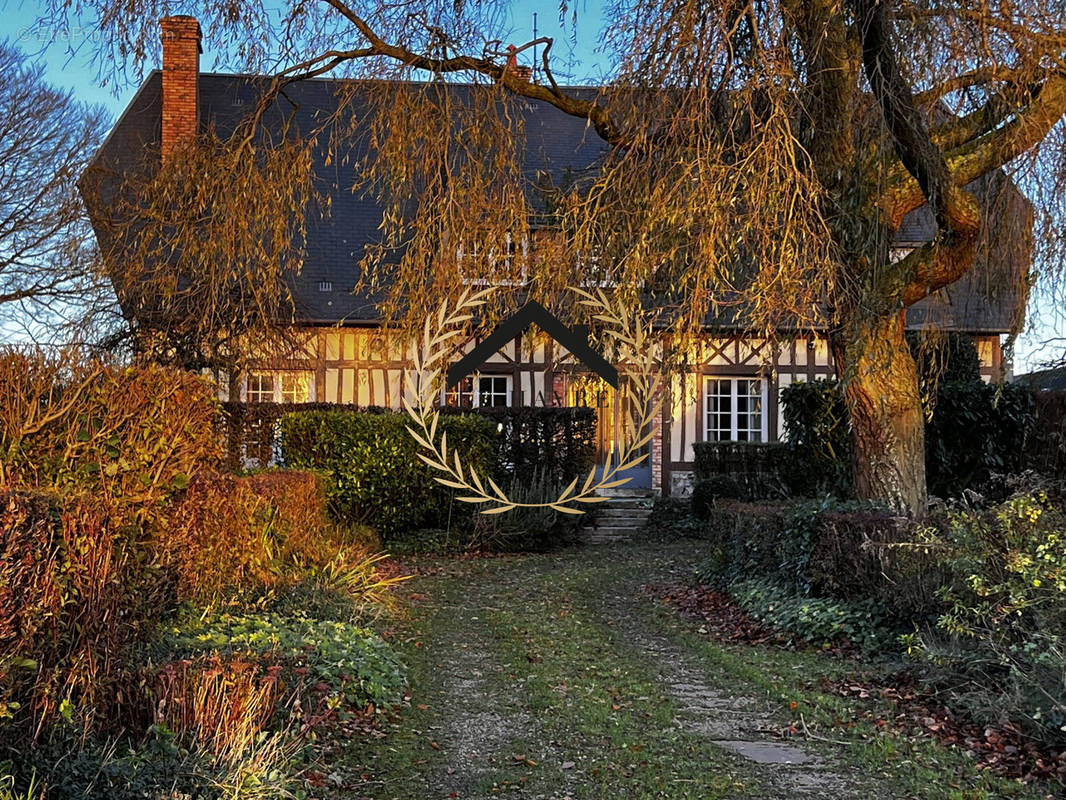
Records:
x=759, y=156
x=49, y=270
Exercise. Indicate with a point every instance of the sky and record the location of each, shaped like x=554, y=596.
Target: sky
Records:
x=67, y=58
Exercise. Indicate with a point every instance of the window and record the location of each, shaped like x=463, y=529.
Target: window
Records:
x=481, y=265
x=287, y=386
x=261, y=387
x=492, y=391
x=735, y=410
x=296, y=387
x=461, y=395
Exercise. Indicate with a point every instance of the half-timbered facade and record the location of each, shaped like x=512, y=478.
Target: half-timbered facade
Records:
x=729, y=389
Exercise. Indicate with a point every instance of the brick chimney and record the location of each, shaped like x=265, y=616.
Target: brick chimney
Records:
x=181, y=71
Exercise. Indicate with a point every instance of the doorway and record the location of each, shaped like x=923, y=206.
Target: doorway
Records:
x=611, y=406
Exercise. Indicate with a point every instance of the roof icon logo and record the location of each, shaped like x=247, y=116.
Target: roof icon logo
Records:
x=575, y=339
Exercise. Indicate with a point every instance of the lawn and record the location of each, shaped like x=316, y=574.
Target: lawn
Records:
x=554, y=676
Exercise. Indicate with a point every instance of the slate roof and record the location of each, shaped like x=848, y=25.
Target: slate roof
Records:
x=556, y=143
x=1045, y=379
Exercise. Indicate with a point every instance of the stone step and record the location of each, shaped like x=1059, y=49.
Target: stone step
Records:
x=623, y=492
x=611, y=531
x=642, y=503
x=624, y=513
x=623, y=520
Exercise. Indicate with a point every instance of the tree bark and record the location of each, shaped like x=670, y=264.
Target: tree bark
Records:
x=887, y=420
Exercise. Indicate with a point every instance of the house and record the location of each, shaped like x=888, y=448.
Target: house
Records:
x=730, y=393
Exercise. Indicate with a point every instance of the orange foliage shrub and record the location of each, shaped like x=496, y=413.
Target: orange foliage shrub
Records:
x=90, y=456
x=69, y=603
x=125, y=438
x=298, y=498
x=233, y=535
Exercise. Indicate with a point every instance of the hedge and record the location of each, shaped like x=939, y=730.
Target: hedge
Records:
x=1045, y=449
x=843, y=551
x=740, y=471
x=976, y=429
x=375, y=474
x=818, y=432
x=250, y=430
x=556, y=443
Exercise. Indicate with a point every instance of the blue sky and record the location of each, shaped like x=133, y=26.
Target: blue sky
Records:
x=67, y=56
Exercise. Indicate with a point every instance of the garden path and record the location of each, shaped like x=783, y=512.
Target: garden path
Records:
x=556, y=676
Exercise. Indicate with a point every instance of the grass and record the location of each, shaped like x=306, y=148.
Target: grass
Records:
x=550, y=676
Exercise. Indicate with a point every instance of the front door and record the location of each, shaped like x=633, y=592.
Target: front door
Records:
x=611, y=424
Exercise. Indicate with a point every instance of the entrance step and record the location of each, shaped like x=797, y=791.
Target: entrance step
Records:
x=617, y=519
x=622, y=491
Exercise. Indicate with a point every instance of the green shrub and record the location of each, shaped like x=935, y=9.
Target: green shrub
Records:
x=744, y=470
x=817, y=621
x=818, y=433
x=745, y=539
x=537, y=528
x=1003, y=634
x=976, y=429
x=705, y=492
x=355, y=663
x=73, y=764
x=836, y=550
x=557, y=443
x=1045, y=449
x=673, y=517
x=375, y=474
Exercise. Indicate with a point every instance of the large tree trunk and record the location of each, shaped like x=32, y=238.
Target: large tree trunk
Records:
x=887, y=420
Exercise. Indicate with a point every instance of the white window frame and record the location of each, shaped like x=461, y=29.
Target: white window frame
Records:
x=475, y=394
x=712, y=432
x=513, y=249
x=277, y=377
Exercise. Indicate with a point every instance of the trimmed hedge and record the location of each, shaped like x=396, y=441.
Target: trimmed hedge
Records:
x=1045, y=449
x=843, y=551
x=819, y=434
x=976, y=429
x=741, y=471
x=375, y=473
x=559, y=443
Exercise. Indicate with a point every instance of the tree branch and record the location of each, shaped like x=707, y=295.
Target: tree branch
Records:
x=595, y=113
x=989, y=151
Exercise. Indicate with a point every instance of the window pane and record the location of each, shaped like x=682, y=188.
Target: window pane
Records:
x=261, y=387
x=492, y=391
x=462, y=394
x=296, y=387
x=734, y=410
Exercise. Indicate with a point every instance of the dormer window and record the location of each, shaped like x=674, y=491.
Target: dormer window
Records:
x=495, y=265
